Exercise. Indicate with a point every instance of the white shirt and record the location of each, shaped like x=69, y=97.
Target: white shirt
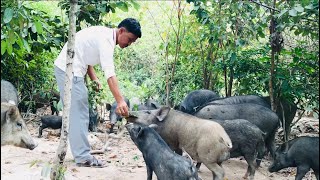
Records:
x=93, y=45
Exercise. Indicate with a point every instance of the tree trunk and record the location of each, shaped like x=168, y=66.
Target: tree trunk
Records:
x=272, y=102
x=171, y=72
x=59, y=167
x=225, y=79
x=272, y=30
x=207, y=70
x=230, y=81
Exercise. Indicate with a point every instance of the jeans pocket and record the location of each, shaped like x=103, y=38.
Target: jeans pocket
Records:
x=77, y=79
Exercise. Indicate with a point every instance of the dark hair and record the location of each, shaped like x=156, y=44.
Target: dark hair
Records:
x=131, y=25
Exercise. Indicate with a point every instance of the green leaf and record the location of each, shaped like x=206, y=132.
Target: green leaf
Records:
x=135, y=158
x=123, y=6
x=233, y=57
x=60, y=105
x=135, y=5
x=112, y=10
x=3, y=47
x=19, y=41
x=11, y=38
x=33, y=163
x=39, y=28
x=26, y=45
x=292, y=12
x=8, y=13
x=282, y=12
x=299, y=8
x=310, y=6
x=33, y=28
x=196, y=7
x=315, y=115
x=297, y=32
x=9, y=48
x=261, y=34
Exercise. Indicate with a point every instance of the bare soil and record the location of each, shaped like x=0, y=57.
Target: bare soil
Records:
x=123, y=161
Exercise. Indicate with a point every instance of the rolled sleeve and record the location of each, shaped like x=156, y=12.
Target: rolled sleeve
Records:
x=109, y=71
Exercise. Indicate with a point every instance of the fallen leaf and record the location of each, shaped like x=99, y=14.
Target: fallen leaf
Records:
x=74, y=170
x=113, y=156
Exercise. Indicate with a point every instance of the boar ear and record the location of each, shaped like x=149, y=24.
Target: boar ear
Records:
x=132, y=114
x=153, y=126
x=140, y=131
x=163, y=112
x=108, y=106
x=182, y=108
x=12, y=112
x=154, y=106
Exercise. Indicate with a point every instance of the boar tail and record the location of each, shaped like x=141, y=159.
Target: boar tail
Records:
x=226, y=141
x=261, y=150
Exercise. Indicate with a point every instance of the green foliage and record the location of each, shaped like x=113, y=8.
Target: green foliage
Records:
x=235, y=25
x=302, y=80
x=252, y=67
x=300, y=17
x=26, y=31
x=94, y=95
x=29, y=40
x=92, y=12
x=217, y=39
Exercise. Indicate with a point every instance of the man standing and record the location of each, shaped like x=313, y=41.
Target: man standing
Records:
x=93, y=45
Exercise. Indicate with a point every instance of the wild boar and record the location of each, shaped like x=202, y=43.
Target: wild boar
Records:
x=205, y=142
x=14, y=130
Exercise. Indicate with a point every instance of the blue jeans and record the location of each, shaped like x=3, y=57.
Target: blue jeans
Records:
x=79, y=116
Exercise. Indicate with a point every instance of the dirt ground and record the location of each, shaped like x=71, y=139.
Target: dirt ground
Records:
x=123, y=161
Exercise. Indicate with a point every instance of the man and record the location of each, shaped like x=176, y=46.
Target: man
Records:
x=93, y=45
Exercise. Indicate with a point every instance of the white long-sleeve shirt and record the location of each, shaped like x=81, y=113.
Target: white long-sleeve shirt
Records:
x=93, y=45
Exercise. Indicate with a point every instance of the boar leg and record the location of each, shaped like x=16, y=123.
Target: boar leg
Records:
x=270, y=143
x=40, y=130
x=251, y=167
x=301, y=171
x=217, y=171
x=149, y=172
x=317, y=174
x=198, y=166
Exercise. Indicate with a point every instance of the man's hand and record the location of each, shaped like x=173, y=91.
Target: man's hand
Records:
x=122, y=109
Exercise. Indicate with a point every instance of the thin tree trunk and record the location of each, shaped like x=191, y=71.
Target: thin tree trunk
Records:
x=170, y=77
x=230, y=81
x=207, y=68
x=59, y=166
x=225, y=78
x=271, y=93
x=231, y=62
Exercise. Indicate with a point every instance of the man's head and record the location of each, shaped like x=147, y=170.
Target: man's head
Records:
x=129, y=31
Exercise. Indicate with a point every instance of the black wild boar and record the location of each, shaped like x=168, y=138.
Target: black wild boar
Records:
x=159, y=158
x=303, y=153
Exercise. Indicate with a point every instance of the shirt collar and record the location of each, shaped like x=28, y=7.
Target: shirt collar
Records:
x=114, y=37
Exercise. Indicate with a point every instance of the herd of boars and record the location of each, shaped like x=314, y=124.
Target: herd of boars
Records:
x=206, y=128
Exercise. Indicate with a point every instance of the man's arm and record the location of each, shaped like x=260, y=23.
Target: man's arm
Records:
x=93, y=77
x=122, y=107
x=92, y=73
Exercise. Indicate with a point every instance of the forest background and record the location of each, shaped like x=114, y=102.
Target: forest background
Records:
x=224, y=45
